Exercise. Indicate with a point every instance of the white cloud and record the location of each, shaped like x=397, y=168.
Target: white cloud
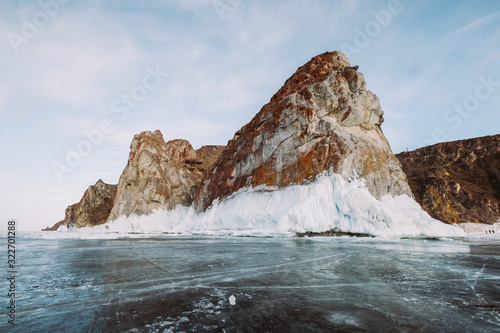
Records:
x=484, y=21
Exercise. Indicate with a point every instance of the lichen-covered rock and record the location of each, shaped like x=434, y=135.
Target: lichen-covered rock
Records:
x=457, y=182
x=180, y=150
x=93, y=209
x=156, y=176
x=206, y=156
x=323, y=117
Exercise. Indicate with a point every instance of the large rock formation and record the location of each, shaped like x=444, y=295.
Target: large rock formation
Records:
x=159, y=174
x=323, y=117
x=457, y=182
x=155, y=176
x=93, y=209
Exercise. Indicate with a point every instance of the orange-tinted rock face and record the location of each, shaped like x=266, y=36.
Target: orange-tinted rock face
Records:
x=180, y=150
x=155, y=176
x=207, y=155
x=322, y=118
x=160, y=174
x=457, y=182
x=93, y=209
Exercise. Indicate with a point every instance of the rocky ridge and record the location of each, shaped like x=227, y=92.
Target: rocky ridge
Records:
x=158, y=174
x=457, y=182
x=323, y=117
x=155, y=176
x=93, y=209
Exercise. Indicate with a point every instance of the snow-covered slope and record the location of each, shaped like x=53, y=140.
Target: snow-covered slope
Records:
x=329, y=202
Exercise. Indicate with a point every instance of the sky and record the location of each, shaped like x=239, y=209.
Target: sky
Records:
x=81, y=78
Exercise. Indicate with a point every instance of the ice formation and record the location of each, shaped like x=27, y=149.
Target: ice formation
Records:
x=329, y=202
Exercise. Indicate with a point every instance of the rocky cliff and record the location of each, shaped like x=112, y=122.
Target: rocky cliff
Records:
x=160, y=174
x=457, y=182
x=93, y=209
x=322, y=129
x=323, y=117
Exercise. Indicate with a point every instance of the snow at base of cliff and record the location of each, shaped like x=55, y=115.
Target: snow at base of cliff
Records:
x=330, y=202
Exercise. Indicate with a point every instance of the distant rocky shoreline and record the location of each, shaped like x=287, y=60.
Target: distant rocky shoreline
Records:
x=457, y=182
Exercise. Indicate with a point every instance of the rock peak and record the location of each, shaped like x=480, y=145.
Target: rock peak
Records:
x=315, y=70
x=181, y=150
x=322, y=118
x=93, y=209
x=159, y=174
x=157, y=134
x=155, y=176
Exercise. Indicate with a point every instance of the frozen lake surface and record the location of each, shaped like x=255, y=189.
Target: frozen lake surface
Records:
x=224, y=284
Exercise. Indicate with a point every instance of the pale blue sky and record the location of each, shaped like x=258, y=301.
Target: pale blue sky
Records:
x=67, y=66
